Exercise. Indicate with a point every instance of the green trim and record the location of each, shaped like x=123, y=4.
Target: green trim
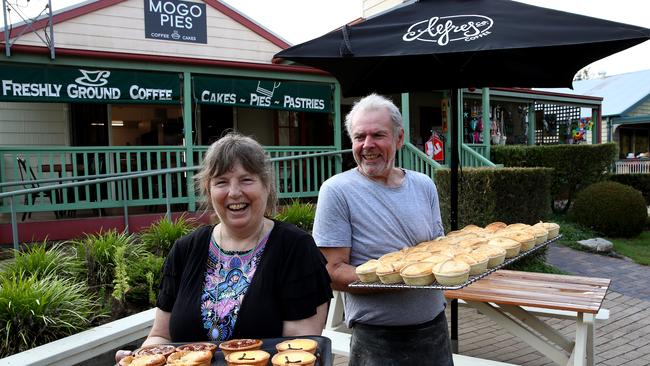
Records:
x=406, y=116
x=520, y=97
x=486, y=121
x=338, y=144
x=629, y=120
x=636, y=105
x=188, y=122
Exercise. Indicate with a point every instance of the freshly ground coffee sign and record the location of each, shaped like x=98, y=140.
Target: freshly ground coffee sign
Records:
x=264, y=93
x=59, y=84
x=175, y=20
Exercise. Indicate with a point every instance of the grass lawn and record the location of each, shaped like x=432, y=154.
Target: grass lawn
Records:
x=637, y=249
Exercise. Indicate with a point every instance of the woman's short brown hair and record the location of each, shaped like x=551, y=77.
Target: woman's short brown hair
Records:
x=225, y=153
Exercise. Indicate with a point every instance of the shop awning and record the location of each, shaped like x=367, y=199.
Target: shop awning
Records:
x=263, y=93
x=20, y=83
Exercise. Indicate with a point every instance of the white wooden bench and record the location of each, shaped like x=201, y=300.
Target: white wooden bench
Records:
x=339, y=335
x=87, y=344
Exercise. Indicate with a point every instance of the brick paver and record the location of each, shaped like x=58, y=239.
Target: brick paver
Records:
x=624, y=340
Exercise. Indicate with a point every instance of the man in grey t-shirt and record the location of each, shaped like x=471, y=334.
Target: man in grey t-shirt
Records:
x=371, y=210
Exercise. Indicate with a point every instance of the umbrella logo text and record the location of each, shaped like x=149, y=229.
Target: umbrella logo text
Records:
x=443, y=30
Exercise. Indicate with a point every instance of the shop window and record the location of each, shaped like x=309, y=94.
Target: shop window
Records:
x=633, y=141
x=139, y=125
x=214, y=121
x=89, y=124
x=303, y=129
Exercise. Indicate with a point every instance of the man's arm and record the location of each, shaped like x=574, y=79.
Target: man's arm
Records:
x=342, y=273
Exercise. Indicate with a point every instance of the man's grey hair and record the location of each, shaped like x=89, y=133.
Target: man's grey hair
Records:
x=374, y=102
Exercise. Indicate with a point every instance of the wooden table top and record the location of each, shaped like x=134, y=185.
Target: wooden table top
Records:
x=561, y=292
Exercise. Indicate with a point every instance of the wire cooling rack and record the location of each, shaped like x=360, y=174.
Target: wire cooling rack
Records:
x=472, y=278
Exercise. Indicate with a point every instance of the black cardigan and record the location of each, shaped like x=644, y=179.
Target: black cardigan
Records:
x=289, y=283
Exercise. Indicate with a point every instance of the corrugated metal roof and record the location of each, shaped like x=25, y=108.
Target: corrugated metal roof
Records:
x=619, y=92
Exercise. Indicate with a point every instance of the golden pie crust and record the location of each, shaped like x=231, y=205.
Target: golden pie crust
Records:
x=552, y=228
x=495, y=226
x=389, y=272
x=190, y=358
x=477, y=263
x=250, y=357
x=244, y=344
x=298, y=344
x=198, y=346
x=367, y=271
x=540, y=233
x=451, y=272
x=512, y=246
x=144, y=360
x=156, y=349
x=418, y=274
x=300, y=358
x=496, y=255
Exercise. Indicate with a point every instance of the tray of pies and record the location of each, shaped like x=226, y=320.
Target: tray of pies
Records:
x=457, y=259
x=307, y=351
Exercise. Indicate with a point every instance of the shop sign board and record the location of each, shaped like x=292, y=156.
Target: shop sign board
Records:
x=264, y=93
x=175, y=20
x=86, y=84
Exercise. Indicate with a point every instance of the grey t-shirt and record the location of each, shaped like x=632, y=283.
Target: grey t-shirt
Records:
x=373, y=219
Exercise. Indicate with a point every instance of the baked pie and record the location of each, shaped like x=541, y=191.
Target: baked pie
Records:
x=451, y=272
x=156, y=349
x=540, y=233
x=477, y=262
x=388, y=272
x=495, y=226
x=473, y=243
x=511, y=246
x=235, y=345
x=418, y=274
x=144, y=360
x=367, y=271
x=190, y=358
x=417, y=257
x=552, y=228
x=250, y=357
x=300, y=358
x=199, y=346
x=392, y=256
x=298, y=344
x=517, y=226
x=525, y=237
x=496, y=255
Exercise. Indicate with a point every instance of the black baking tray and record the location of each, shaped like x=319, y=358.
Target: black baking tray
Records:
x=323, y=352
x=472, y=279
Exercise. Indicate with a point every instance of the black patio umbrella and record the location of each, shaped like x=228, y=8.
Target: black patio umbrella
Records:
x=448, y=44
x=443, y=44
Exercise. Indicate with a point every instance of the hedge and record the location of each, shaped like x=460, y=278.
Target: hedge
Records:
x=575, y=166
x=496, y=194
x=640, y=182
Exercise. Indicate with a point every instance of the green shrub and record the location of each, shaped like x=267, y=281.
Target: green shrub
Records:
x=144, y=279
x=161, y=235
x=575, y=166
x=496, y=194
x=97, y=251
x=640, y=182
x=40, y=261
x=299, y=214
x=610, y=208
x=36, y=311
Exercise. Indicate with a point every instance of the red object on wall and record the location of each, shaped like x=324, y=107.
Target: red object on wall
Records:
x=435, y=148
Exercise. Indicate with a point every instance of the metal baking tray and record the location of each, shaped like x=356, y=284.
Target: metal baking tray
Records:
x=472, y=278
x=324, y=355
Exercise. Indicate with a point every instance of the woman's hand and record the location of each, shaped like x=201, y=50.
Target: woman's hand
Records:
x=120, y=354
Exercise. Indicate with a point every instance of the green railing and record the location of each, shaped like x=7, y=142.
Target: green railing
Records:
x=480, y=149
x=410, y=157
x=469, y=157
x=296, y=176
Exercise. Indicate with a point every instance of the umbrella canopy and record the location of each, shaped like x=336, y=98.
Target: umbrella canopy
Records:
x=443, y=44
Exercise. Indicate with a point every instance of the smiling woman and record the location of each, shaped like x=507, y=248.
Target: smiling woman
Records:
x=249, y=276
